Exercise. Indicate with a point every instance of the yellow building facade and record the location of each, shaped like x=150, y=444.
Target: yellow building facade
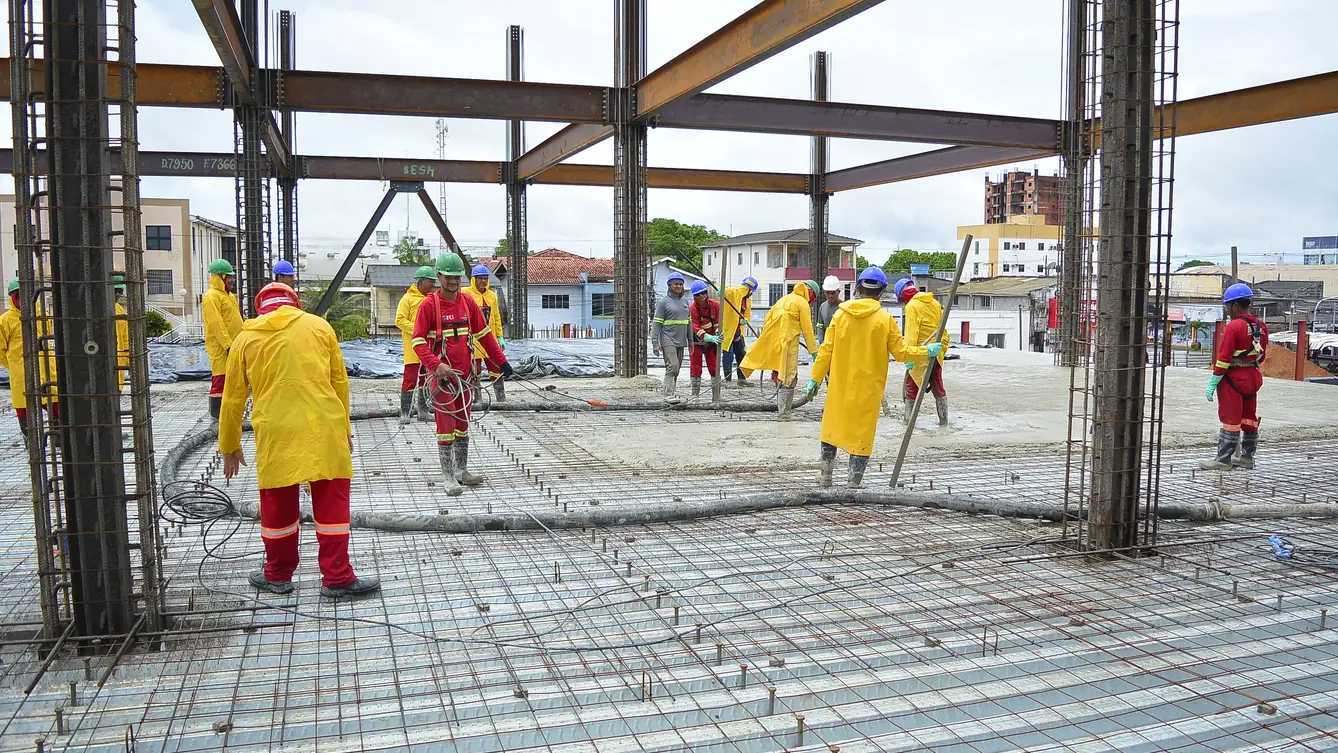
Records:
x=1025, y=246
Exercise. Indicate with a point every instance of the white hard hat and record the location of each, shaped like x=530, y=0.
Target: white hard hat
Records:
x=831, y=284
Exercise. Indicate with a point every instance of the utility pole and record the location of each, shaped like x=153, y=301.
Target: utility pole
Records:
x=442, y=130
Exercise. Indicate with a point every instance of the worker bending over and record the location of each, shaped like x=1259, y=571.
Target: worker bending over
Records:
x=704, y=313
x=669, y=330
x=444, y=334
x=923, y=314
x=831, y=298
x=289, y=363
x=406, y=313
x=285, y=273
x=11, y=349
x=738, y=311
x=222, y=322
x=777, y=347
x=1236, y=380
x=486, y=299
x=854, y=360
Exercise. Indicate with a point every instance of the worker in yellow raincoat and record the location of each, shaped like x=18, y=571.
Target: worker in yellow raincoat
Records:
x=777, y=347
x=923, y=313
x=289, y=363
x=406, y=313
x=481, y=291
x=222, y=322
x=853, y=358
x=122, y=331
x=11, y=350
x=734, y=318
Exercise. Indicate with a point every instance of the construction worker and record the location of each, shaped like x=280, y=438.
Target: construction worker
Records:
x=11, y=349
x=122, y=330
x=854, y=360
x=406, y=313
x=923, y=313
x=1236, y=380
x=289, y=363
x=284, y=273
x=222, y=322
x=777, y=346
x=738, y=312
x=669, y=330
x=704, y=315
x=447, y=326
x=486, y=299
x=831, y=298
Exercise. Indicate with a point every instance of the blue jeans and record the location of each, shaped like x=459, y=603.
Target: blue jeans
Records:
x=732, y=356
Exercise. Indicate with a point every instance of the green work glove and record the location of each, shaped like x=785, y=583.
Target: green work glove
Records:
x=934, y=349
x=712, y=339
x=501, y=341
x=1213, y=381
x=811, y=387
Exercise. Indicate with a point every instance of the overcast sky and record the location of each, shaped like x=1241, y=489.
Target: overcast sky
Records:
x=1260, y=188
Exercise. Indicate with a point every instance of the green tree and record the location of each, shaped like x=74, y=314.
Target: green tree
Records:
x=680, y=242
x=1194, y=263
x=861, y=262
x=411, y=254
x=502, y=249
x=938, y=261
x=349, y=315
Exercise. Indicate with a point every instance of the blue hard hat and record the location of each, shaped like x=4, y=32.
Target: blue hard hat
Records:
x=479, y=271
x=750, y=282
x=901, y=285
x=675, y=277
x=872, y=277
x=1238, y=292
x=698, y=287
x=285, y=267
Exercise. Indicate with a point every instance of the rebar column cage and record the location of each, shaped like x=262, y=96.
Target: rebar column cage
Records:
x=1124, y=198
x=88, y=433
x=517, y=242
x=632, y=293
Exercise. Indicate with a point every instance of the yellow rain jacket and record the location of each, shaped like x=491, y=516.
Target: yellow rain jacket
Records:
x=122, y=346
x=406, y=313
x=290, y=363
x=222, y=322
x=492, y=310
x=738, y=307
x=922, y=316
x=854, y=357
x=11, y=349
x=776, y=348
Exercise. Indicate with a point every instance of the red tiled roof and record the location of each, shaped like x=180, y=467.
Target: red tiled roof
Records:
x=553, y=266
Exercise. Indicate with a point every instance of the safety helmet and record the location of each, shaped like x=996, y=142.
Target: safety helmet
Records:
x=13, y=286
x=118, y=280
x=813, y=288
x=425, y=272
x=900, y=288
x=1238, y=292
x=698, y=287
x=872, y=277
x=220, y=267
x=285, y=268
x=450, y=265
x=675, y=277
x=274, y=296
x=750, y=282
x=830, y=284
x=480, y=271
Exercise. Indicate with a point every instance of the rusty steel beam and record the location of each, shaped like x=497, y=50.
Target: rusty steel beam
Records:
x=379, y=168
x=569, y=174
x=224, y=28
x=570, y=140
x=720, y=112
x=937, y=162
x=763, y=30
x=1269, y=103
x=157, y=85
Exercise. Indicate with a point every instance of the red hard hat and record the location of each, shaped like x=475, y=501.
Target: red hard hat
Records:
x=275, y=295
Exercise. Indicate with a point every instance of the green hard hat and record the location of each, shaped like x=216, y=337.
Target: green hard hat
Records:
x=118, y=280
x=220, y=267
x=425, y=272
x=13, y=285
x=813, y=285
x=450, y=265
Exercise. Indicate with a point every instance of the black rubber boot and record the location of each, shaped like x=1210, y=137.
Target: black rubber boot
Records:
x=406, y=404
x=446, y=454
x=215, y=407
x=1249, y=442
x=261, y=583
x=855, y=478
x=499, y=390
x=785, y=402
x=1226, y=447
x=359, y=587
x=941, y=403
x=828, y=457
x=466, y=478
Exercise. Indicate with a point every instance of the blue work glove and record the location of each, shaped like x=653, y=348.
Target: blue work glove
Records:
x=506, y=369
x=712, y=339
x=811, y=387
x=934, y=349
x=1213, y=381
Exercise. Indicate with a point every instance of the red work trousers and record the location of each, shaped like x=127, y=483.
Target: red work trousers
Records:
x=280, y=525
x=452, y=413
x=935, y=384
x=216, y=385
x=410, y=379
x=1237, y=399
x=703, y=349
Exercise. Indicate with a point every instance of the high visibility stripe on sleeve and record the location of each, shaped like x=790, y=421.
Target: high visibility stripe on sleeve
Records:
x=278, y=533
x=674, y=321
x=331, y=529
x=658, y=320
x=418, y=341
x=1223, y=364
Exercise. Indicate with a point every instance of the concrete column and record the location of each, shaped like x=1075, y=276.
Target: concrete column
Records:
x=631, y=293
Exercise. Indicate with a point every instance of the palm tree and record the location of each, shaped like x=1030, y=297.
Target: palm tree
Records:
x=349, y=314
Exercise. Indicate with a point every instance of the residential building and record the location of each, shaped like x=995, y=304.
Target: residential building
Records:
x=1320, y=249
x=1003, y=312
x=210, y=241
x=386, y=283
x=1021, y=192
x=1026, y=245
x=169, y=270
x=318, y=262
x=778, y=259
x=1327, y=274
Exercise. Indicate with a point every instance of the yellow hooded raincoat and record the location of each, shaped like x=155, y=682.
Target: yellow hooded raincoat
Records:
x=122, y=345
x=11, y=349
x=923, y=313
x=492, y=313
x=406, y=313
x=290, y=363
x=854, y=357
x=738, y=307
x=222, y=322
x=776, y=348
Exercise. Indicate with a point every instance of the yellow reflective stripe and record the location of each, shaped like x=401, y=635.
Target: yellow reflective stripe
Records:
x=447, y=437
x=332, y=529
x=1223, y=364
x=418, y=341
x=658, y=320
x=676, y=321
x=278, y=533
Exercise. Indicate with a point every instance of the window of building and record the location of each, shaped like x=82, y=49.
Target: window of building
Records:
x=158, y=237
x=1022, y=246
x=775, y=257
x=975, y=269
x=995, y=339
x=740, y=261
x=1008, y=245
x=776, y=291
x=555, y=301
x=601, y=304
x=159, y=281
x=977, y=248
x=1040, y=269
x=756, y=257
x=983, y=301
x=229, y=247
